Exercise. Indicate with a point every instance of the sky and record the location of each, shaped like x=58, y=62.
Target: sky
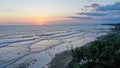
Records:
x=45, y=12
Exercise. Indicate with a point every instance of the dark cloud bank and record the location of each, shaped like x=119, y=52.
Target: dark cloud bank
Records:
x=101, y=13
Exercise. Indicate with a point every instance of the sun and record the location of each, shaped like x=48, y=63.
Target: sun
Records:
x=40, y=21
x=43, y=21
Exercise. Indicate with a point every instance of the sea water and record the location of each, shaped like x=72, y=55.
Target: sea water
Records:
x=35, y=46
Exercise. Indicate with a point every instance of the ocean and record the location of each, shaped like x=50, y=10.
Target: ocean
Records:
x=37, y=45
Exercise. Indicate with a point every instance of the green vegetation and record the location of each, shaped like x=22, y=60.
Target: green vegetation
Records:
x=102, y=53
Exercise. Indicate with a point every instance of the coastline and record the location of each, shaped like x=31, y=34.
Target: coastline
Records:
x=59, y=61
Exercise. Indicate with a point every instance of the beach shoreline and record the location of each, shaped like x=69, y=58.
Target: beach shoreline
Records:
x=56, y=62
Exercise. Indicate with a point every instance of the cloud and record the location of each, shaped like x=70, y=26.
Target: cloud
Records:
x=97, y=12
x=93, y=14
x=91, y=7
x=112, y=7
x=77, y=17
x=115, y=19
x=9, y=10
x=98, y=7
x=94, y=5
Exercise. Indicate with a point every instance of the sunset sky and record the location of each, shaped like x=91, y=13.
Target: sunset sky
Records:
x=43, y=12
